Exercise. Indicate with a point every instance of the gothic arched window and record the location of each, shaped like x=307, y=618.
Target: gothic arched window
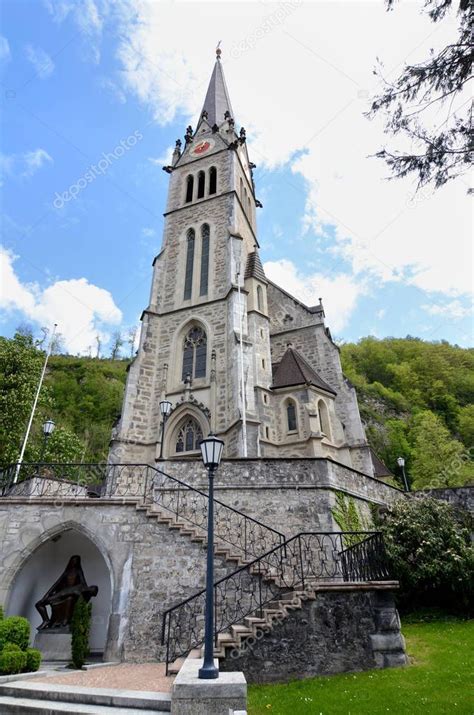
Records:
x=188, y=278
x=324, y=419
x=259, y=298
x=212, y=180
x=201, y=184
x=189, y=188
x=194, y=353
x=188, y=436
x=241, y=190
x=292, y=422
x=205, y=236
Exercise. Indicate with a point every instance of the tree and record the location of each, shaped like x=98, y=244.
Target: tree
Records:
x=466, y=426
x=131, y=337
x=430, y=553
x=99, y=345
x=117, y=342
x=80, y=629
x=63, y=446
x=437, y=459
x=20, y=368
x=440, y=150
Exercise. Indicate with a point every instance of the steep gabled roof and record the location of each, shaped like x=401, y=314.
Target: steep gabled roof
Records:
x=254, y=268
x=217, y=101
x=294, y=370
x=380, y=469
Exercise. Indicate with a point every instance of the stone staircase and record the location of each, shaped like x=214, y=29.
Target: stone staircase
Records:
x=41, y=698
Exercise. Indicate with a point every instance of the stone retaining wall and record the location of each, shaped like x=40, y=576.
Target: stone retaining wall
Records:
x=342, y=630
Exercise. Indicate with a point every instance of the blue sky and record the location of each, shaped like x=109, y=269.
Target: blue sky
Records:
x=80, y=78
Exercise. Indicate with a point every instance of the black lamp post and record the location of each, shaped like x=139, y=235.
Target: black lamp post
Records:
x=48, y=429
x=211, y=451
x=165, y=409
x=401, y=464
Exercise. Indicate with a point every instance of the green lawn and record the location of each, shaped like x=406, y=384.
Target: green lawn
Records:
x=439, y=679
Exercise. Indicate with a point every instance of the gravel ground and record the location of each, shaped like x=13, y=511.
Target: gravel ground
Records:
x=125, y=676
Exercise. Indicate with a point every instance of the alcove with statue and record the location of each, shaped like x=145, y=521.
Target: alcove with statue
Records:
x=47, y=586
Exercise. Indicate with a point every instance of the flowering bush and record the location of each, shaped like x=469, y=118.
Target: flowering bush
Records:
x=431, y=554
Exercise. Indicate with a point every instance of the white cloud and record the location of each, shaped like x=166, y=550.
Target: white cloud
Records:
x=339, y=292
x=148, y=232
x=301, y=96
x=41, y=61
x=26, y=164
x=454, y=310
x=5, y=54
x=81, y=309
x=34, y=160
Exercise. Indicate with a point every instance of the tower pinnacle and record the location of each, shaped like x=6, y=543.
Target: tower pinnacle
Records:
x=217, y=101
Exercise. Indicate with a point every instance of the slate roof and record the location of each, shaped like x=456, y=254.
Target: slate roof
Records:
x=254, y=268
x=380, y=470
x=217, y=101
x=294, y=370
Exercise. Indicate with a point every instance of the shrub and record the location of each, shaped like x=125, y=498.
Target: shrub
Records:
x=80, y=628
x=2, y=616
x=15, y=629
x=33, y=660
x=431, y=554
x=12, y=659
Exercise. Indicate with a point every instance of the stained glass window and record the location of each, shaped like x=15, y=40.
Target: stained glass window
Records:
x=195, y=353
x=188, y=437
x=205, y=234
x=188, y=279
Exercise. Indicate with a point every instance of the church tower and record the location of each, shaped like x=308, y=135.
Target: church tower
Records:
x=232, y=352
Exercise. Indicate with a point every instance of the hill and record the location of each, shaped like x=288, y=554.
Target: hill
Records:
x=417, y=401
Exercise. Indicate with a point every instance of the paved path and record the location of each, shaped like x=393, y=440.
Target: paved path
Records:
x=128, y=676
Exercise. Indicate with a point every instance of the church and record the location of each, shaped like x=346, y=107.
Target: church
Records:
x=234, y=353
x=228, y=352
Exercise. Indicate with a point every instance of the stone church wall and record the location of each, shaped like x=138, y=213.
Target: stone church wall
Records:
x=151, y=567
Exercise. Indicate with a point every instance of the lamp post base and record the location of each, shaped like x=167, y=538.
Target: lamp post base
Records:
x=208, y=672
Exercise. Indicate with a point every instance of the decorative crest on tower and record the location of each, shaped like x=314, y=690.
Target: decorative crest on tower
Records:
x=218, y=50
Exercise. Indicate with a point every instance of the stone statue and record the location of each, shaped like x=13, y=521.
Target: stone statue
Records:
x=63, y=594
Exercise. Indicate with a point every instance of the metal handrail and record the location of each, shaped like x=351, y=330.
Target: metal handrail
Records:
x=295, y=565
x=242, y=532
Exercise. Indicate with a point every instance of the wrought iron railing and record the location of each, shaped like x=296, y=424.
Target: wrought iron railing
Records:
x=246, y=536
x=298, y=564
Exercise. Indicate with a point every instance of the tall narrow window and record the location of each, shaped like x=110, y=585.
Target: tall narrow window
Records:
x=194, y=353
x=291, y=417
x=205, y=234
x=188, y=436
x=201, y=184
x=259, y=298
x=324, y=419
x=212, y=180
x=188, y=279
x=189, y=188
x=241, y=190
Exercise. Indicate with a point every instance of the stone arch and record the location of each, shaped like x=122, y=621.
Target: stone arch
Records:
x=179, y=416
x=42, y=561
x=177, y=349
x=324, y=421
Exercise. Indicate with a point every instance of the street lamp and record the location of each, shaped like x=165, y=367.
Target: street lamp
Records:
x=48, y=429
x=165, y=409
x=211, y=452
x=401, y=464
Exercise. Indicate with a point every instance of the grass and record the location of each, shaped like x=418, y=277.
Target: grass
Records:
x=438, y=680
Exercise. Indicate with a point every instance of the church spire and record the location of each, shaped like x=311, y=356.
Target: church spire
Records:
x=217, y=101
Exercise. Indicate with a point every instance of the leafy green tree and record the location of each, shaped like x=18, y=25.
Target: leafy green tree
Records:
x=466, y=425
x=63, y=446
x=20, y=369
x=430, y=553
x=437, y=459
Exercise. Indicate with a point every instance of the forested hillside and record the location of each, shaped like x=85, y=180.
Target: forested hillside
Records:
x=416, y=399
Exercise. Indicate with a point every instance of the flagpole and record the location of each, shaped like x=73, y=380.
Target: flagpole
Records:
x=30, y=422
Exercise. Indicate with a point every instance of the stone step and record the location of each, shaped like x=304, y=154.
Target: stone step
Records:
x=30, y=706
x=138, y=701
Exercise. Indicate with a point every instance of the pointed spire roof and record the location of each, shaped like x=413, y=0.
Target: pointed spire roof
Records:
x=217, y=101
x=254, y=268
x=293, y=370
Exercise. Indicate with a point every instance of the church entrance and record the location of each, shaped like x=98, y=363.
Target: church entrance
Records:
x=46, y=565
